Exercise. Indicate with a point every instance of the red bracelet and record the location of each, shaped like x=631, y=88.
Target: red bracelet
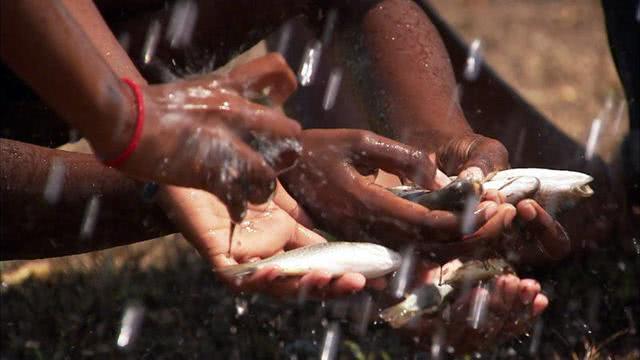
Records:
x=135, y=140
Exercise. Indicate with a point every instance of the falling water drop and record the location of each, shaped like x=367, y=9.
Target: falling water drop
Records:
x=479, y=307
x=333, y=85
x=331, y=342
x=241, y=306
x=131, y=321
x=402, y=277
x=90, y=217
x=535, y=338
x=55, y=181
x=284, y=38
x=310, y=63
x=151, y=41
x=329, y=26
x=474, y=61
x=468, y=215
x=182, y=23
x=592, y=139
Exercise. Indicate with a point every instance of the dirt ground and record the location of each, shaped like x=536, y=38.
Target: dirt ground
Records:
x=554, y=52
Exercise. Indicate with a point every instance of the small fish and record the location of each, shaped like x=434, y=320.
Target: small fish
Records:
x=335, y=258
x=556, y=187
x=452, y=197
x=559, y=189
x=429, y=298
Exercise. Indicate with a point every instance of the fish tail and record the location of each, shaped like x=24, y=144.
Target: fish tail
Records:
x=399, y=315
x=237, y=270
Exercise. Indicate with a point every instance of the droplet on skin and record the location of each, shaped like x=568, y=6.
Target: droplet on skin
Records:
x=333, y=86
x=131, y=321
x=151, y=41
x=474, y=61
x=310, y=63
x=55, y=181
x=182, y=23
x=90, y=217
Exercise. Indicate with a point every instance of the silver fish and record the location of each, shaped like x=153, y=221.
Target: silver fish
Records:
x=558, y=189
x=430, y=298
x=555, y=187
x=335, y=258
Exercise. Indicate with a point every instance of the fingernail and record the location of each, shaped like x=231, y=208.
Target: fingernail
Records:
x=530, y=211
x=527, y=296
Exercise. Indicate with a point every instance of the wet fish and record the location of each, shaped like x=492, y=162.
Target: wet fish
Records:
x=430, y=298
x=335, y=258
x=559, y=189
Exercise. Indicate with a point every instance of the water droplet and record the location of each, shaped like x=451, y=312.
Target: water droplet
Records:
x=310, y=63
x=90, y=217
x=55, y=181
x=329, y=26
x=241, y=306
x=535, y=338
x=285, y=38
x=333, y=85
x=474, y=61
x=468, y=215
x=151, y=41
x=331, y=342
x=182, y=23
x=131, y=321
x=479, y=308
x=402, y=278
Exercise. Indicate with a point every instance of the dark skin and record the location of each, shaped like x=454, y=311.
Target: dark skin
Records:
x=33, y=228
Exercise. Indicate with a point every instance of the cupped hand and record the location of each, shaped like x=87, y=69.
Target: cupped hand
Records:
x=206, y=133
x=266, y=230
x=483, y=316
x=331, y=181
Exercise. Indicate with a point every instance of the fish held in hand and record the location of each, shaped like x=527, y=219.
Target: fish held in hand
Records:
x=430, y=298
x=334, y=258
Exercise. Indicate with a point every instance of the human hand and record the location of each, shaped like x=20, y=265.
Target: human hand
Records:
x=331, y=182
x=266, y=230
x=472, y=155
x=483, y=316
x=199, y=132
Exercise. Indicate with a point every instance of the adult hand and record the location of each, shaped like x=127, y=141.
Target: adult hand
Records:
x=331, y=182
x=267, y=229
x=199, y=133
x=472, y=155
x=484, y=316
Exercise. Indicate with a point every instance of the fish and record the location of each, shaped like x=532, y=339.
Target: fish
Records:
x=452, y=197
x=557, y=189
x=429, y=299
x=335, y=258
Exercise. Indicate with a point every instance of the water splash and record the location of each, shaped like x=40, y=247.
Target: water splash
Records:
x=474, y=61
x=331, y=342
x=310, y=63
x=90, y=217
x=242, y=306
x=151, y=42
x=331, y=92
x=182, y=23
x=479, y=308
x=55, y=181
x=130, y=325
x=403, y=276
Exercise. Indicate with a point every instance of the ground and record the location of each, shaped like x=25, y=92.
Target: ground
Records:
x=553, y=52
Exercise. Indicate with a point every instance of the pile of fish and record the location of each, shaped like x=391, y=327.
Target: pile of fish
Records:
x=551, y=188
x=554, y=189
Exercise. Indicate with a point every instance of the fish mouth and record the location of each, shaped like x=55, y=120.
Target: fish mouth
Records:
x=584, y=191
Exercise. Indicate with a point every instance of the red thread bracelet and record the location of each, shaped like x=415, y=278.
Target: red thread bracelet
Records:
x=137, y=134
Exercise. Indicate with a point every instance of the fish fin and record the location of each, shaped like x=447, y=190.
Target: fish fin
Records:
x=400, y=314
x=237, y=270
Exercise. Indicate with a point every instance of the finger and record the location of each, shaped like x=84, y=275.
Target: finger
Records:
x=242, y=115
x=315, y=281
x=529, y=288
x=405, y=161
x=548, y=233
x=269, y=73
x=510, y=290
x=496, y=225
x=304, y=237
x=291, y=206
x=347, y=284
x=540, y=303
x=488, y=155
x=493, y=195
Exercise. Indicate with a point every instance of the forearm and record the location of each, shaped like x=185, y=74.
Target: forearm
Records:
x=39, y=221
x=414, y=69
x=43, y=44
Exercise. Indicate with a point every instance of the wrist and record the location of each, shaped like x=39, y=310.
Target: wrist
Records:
x=116, y=125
